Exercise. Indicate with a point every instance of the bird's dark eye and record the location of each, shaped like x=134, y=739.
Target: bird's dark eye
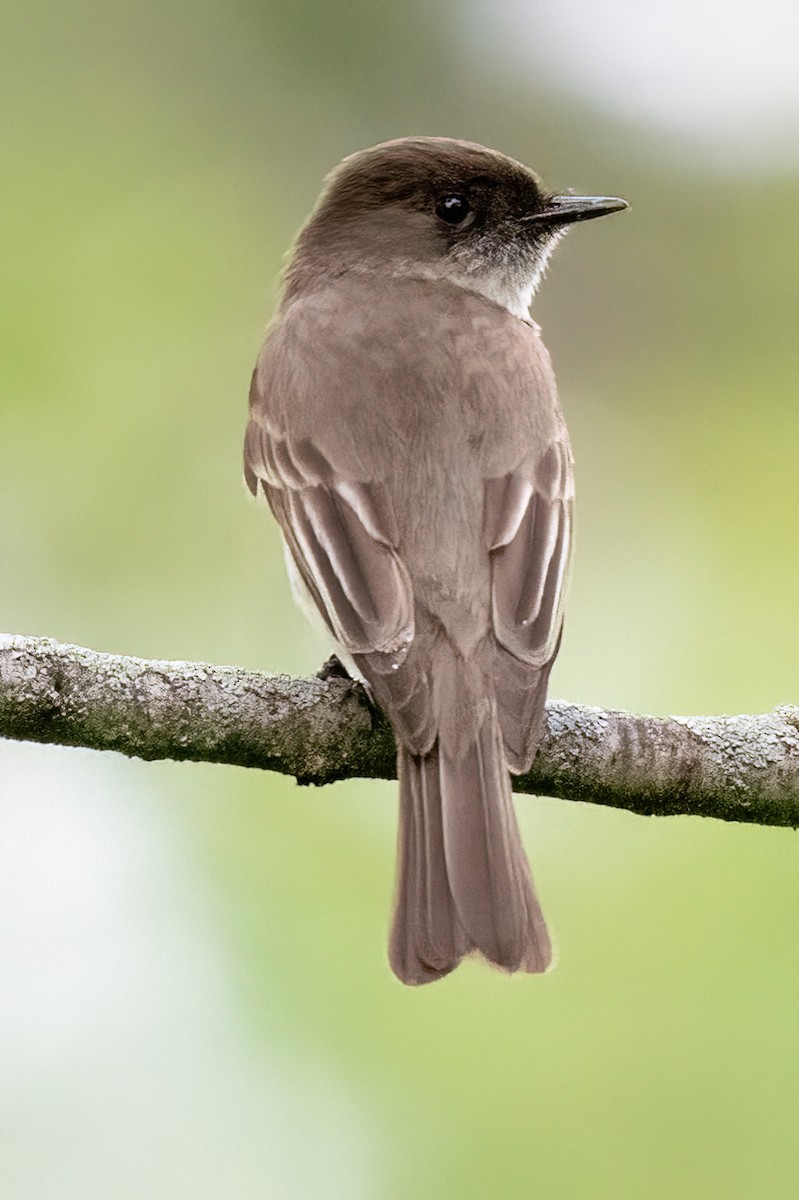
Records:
x=455, y=210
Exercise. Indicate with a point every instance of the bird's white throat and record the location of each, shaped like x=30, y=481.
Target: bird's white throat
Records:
x=512, y=286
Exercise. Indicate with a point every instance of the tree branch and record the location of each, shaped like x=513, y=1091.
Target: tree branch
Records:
x=742, y=768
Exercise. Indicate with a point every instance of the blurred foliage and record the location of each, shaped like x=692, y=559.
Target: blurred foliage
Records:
x=157, y=161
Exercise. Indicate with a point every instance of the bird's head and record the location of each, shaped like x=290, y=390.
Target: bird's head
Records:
x=440, y=208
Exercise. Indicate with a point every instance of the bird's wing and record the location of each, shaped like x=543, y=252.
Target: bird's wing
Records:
x=528, y=531
x=341, y=534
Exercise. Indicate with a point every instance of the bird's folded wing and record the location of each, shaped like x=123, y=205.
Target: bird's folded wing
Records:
x=528, y=531
x=341, y=535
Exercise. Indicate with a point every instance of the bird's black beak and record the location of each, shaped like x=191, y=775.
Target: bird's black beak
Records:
x=563, y=210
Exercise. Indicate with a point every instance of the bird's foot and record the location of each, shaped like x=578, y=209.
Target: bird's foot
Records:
x=333, y=669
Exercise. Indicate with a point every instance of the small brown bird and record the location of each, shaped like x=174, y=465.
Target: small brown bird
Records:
x=406, y=432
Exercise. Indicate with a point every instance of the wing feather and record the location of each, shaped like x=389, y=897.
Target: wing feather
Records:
x=341, y=534
x=529, y=516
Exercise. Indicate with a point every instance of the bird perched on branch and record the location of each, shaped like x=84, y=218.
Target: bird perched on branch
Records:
x=406, y=432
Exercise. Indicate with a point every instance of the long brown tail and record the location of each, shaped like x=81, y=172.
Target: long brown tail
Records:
x=463, y=879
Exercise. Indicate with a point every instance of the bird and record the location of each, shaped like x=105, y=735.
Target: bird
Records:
x=405, y=429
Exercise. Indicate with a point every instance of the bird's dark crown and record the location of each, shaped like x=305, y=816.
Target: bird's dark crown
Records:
x=419, y=171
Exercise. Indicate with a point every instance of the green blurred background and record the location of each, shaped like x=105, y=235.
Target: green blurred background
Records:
x=194, y=997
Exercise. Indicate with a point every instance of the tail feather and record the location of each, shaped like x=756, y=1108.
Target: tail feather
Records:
x=463, y=879
x=427, y=938
x=488, y=871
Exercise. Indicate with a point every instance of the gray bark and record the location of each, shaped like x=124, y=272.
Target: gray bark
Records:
x=743, y=768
